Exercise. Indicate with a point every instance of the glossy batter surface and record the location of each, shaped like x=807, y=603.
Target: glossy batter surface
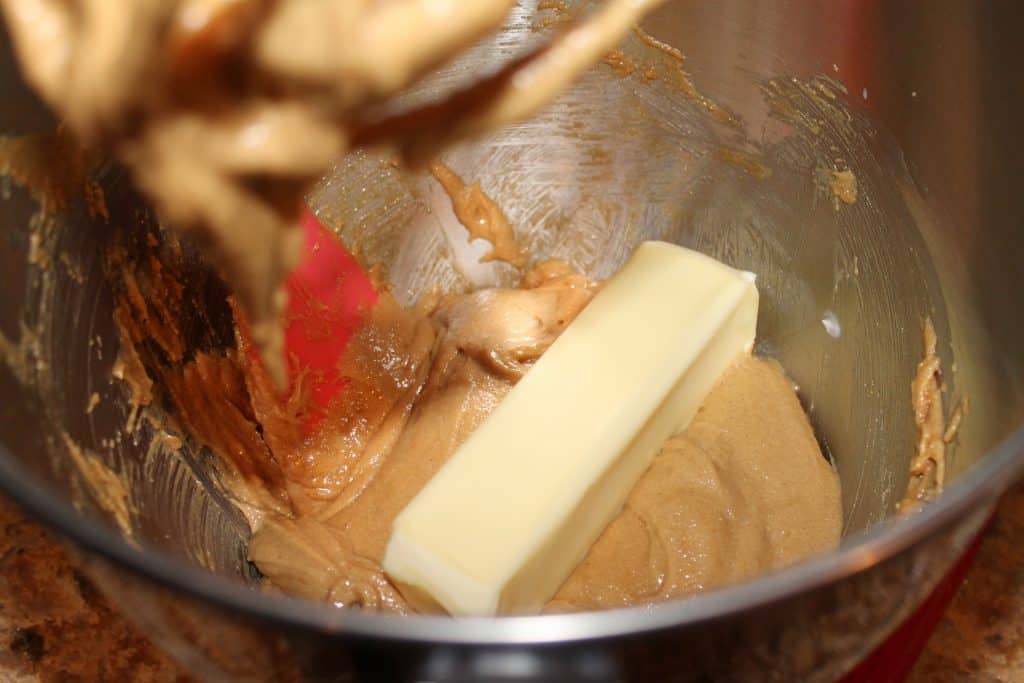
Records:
x=743, y=490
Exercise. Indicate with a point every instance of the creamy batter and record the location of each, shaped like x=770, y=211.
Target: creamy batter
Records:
x=481, y=216
x=743, y=490
x=928, y=467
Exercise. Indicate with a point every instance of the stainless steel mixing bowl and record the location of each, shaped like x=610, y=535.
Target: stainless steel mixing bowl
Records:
x=921, y=100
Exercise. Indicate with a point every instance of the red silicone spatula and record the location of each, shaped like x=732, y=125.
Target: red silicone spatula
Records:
x=329, y=295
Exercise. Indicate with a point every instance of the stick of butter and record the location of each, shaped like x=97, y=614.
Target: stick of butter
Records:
x=505, y=521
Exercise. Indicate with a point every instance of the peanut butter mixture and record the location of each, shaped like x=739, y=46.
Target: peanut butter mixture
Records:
x=928, y=467
x=481, y=216
x=744, y=489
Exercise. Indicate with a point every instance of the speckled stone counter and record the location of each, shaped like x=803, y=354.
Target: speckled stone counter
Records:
x=56, y=628
x=981, y=638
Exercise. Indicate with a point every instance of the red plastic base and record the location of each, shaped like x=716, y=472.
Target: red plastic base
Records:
x=893, y=660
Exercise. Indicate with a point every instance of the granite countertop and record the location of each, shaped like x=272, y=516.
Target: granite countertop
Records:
x=55, y=627
x=981, y=637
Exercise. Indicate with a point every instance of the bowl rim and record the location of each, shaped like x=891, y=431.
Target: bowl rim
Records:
x=982, y=484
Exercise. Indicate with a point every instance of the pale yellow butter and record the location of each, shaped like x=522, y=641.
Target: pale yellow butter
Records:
x=510, y=515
